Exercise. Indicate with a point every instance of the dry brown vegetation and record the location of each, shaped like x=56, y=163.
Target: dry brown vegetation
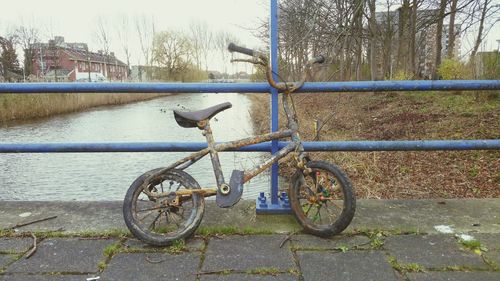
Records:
x=404, y=116
x=25, y=106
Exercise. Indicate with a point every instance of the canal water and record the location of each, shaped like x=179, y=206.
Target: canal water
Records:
x=107, y=176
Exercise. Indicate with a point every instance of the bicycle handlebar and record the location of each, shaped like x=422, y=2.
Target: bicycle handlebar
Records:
x=235, y=48
x=261, y=59
x=319, y=59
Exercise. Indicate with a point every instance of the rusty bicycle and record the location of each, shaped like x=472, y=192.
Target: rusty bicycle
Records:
x=167, y=204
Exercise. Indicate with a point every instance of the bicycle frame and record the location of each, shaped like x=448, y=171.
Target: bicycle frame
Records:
x=214, y=148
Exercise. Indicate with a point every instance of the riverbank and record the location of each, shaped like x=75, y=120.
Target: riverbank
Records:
x=14, y=107
x=403, y=116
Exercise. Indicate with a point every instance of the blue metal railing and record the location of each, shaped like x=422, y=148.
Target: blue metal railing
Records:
x=417, y=145
x=360, y=86
x=363, y=86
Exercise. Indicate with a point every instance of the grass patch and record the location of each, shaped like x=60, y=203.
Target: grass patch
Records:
x=112, y=249
x=23, y=106
x=178, y=247
x=7, y=233
x=113, y=233
x=410, y=267
x=109, y=252
x=403, y=116
x=458, y=268
x=473, y=245
x=375, y=236
x=264, y=271
x=102, y=265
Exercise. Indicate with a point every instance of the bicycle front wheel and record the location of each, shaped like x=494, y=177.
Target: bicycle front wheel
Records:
x=156, y=214
x=322, y=200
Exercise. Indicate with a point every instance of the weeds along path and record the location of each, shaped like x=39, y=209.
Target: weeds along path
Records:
x=26, y=106
x=403, y=116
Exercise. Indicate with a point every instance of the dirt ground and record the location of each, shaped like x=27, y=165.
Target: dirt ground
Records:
x=404, y=116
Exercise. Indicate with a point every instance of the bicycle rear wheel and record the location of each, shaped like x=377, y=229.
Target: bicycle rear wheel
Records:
x=160, y=220
x=323, y=200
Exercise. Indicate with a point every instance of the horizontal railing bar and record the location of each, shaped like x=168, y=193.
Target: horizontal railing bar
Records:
x=409, y=85
x=419, y=145
x=36, y=88
x=359, y=86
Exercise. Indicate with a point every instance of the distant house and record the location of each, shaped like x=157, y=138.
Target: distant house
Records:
x=60, y=61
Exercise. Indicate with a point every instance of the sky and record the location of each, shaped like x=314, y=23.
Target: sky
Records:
x=76, y=20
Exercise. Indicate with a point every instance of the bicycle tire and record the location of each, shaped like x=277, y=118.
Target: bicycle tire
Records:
x=162, y=235
x=323, y=173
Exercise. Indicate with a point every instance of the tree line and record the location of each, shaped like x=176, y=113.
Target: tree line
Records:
x=362, y=39
x=161, y=54
x=387, y=39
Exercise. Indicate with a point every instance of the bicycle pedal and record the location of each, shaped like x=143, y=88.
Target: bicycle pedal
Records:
x=234, y=195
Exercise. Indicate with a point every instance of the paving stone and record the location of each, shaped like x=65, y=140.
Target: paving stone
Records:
x=63, y=255
x=248, y=277
x=455, y=276
x=313, y=242
x=25, y=277
x=431, y=251
x=247, y=252
x=5, y=260
x=352, y=265
x=15, y=245
x=135, y=266
x=489, y=240
x=191, y=244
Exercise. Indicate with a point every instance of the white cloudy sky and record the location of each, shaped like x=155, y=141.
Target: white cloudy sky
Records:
x=76, y=20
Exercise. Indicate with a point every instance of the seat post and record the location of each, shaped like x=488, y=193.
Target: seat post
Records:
x=214, y=156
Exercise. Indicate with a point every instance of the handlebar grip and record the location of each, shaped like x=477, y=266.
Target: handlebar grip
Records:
x=318, y=59
x=234, y=48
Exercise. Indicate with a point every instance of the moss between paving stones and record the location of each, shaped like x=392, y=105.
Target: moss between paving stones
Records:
x=112, y=233
x=410, y=267
x=207, y=231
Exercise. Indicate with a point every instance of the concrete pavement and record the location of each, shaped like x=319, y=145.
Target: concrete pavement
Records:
x=388, y=240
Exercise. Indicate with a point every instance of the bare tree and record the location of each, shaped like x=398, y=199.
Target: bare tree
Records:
x=9, y=64
x=439, y=36
x=221, y=41
x=145, y=27
x=104, y=39
x=202, y=39
x=451, y=29
x=123, y=31
x=373, y=31
x=28, y=35
x=485, y=9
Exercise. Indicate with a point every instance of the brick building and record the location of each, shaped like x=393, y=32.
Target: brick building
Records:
x=61, y=61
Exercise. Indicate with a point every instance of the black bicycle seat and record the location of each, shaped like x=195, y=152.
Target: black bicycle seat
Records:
x=190, y=119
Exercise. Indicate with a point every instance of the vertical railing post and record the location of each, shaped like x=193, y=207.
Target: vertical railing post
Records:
x=274, y=97
x=278, y=203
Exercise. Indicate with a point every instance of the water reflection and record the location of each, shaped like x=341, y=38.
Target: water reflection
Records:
x=106, y=176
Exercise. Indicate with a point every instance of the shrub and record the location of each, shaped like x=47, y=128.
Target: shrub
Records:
x=403, y=75
x=452, y=70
